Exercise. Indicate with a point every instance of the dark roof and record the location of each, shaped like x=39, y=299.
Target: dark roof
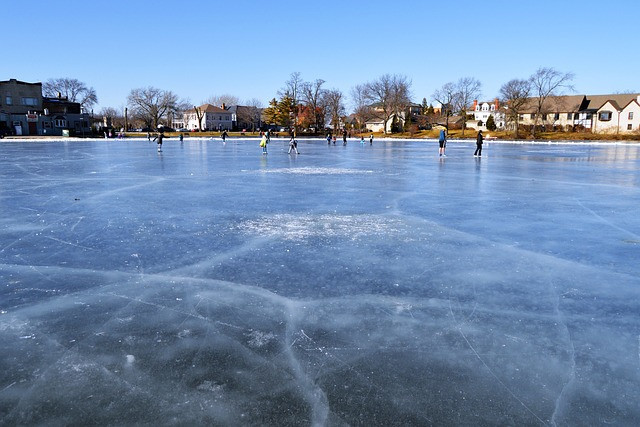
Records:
x=208, y=108
x=594, y=102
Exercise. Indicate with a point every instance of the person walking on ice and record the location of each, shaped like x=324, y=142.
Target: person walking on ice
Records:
x=443, y=142
x=479, y=140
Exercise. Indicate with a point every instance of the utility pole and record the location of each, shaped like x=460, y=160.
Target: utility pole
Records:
x=126, y=125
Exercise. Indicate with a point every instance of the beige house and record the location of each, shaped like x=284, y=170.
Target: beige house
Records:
x=616, y=113
x=614, y=118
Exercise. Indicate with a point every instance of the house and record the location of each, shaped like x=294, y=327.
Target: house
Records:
x=24, y=111
x=376, y=122
x=598, y=113
x=245, y=118
x=617, y=113
x=213, y=118
x=482, y=111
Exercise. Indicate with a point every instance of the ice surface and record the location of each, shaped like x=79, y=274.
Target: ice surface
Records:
x=357, y=285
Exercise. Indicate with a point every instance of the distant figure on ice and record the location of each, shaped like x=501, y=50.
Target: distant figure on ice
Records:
x=293, y=145
x=148, y=136
x=362, y=140
x=329, y=139
x=344, y=137
x=479, y=140
x=334, y=140
x=371, y=139
x=159, y=138
x=181, y=137
x=268, y=134
x=224, y=135
x=263, y=143
x=443, y=142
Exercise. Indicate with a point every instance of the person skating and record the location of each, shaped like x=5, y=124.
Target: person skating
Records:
x=159, y=138
x=328, y=139
x=443, y=143
x=344, y=137
x=479, y=140
x=293, y=145
x=371, y=139
x=263, y=144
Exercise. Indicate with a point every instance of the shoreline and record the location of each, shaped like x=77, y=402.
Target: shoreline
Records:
x=352, y=140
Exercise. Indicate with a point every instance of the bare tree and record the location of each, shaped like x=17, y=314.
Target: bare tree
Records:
x=151, y=104
x=291, y=89
x=546, y=82
x=390, y=95
x=199, y=116
x=361, y=109
x=467, y=90
x=225, y=99
x=335, y=107
x=115, y=116
x=312, y=94
x=73, y=89
x=250, y=113
x=514, y=98
x=446, y=97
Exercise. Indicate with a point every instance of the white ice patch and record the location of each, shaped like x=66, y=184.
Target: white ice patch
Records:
x=130, y=359
x=259, y=339
x=317, y=171
x=209, y=386
x=301, y=227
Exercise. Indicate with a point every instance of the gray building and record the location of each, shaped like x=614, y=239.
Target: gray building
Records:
x=24, y=111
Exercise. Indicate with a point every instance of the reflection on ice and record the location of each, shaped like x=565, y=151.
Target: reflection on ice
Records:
x=432, y=292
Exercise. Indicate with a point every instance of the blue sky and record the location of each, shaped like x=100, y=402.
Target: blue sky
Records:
x=246, y=48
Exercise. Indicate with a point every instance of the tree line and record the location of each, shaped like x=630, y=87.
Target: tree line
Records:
x=311, y=104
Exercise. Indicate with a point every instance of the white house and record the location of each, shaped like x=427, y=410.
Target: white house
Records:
x=213, y=118
x=482, y=111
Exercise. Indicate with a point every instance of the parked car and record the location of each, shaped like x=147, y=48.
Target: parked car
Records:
x=5, y=132
x=183, y=130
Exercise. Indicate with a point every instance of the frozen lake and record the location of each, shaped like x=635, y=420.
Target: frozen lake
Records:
x=358, y=285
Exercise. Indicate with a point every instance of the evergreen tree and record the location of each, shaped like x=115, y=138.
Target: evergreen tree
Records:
x=491, y=123
x=270, y=114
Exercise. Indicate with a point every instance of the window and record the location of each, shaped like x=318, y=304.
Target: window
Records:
x=604, y=116
x=520, y=116
x=544, y=116
x=30, y=101
x=631, y=115
x=533, y=116
x=570, y=116
x=556, y=116
x=60, y=123
x=9, y=100
x=629, y=126
x=46, y=125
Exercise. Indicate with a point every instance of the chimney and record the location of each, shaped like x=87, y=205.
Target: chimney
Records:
x=59, y=95
x=496, y=103
x=475, y=104
x=224, y=107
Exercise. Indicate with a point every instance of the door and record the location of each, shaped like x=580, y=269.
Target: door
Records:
x=33, y=128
